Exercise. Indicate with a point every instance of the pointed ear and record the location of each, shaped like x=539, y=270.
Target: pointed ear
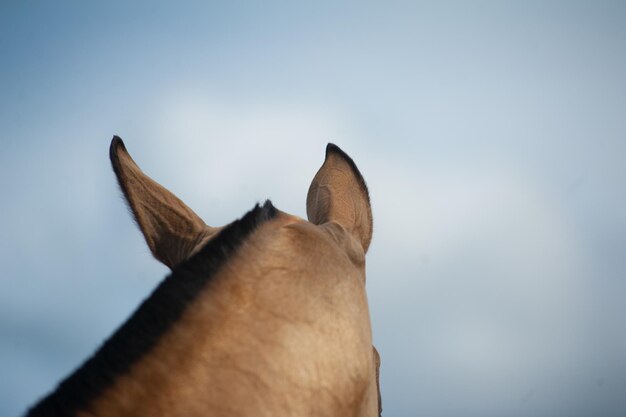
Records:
x=339, y=194
x=171, y=229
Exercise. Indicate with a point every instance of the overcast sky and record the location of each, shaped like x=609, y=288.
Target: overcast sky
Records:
x=492, y=136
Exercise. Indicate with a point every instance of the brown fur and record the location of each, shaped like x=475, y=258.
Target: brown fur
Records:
x=171, y=229
x=283, y=329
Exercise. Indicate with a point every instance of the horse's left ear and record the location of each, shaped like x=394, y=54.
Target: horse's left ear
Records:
x=171, y=229
x=338, y=194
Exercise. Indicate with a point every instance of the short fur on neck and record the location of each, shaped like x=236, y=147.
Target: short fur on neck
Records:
x=154, y=317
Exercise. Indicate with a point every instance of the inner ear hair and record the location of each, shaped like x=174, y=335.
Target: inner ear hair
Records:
x=339, y=193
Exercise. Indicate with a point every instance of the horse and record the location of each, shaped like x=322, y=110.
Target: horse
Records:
x=266, y=316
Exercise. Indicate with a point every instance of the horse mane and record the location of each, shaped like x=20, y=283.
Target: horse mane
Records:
x=154, y=317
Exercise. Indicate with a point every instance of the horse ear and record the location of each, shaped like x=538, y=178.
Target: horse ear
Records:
x=338, y=193
x=171, y=229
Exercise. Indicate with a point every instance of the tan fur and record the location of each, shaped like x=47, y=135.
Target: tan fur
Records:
x=171, y=229
x=282, y=329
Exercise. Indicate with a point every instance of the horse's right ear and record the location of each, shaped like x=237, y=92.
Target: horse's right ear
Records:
x=171, y=229
x=339, y=194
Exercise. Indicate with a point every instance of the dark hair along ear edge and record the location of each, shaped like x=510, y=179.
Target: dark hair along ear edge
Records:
x=331, y=148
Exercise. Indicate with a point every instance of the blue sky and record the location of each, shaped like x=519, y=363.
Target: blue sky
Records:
x=492, y=136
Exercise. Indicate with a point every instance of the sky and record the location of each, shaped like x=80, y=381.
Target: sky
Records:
x=492, y=136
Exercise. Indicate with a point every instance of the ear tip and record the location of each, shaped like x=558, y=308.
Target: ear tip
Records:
x=116, y=143
x=332, y=148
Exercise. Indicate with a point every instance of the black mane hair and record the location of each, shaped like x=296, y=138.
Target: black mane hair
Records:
x=154, y=317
